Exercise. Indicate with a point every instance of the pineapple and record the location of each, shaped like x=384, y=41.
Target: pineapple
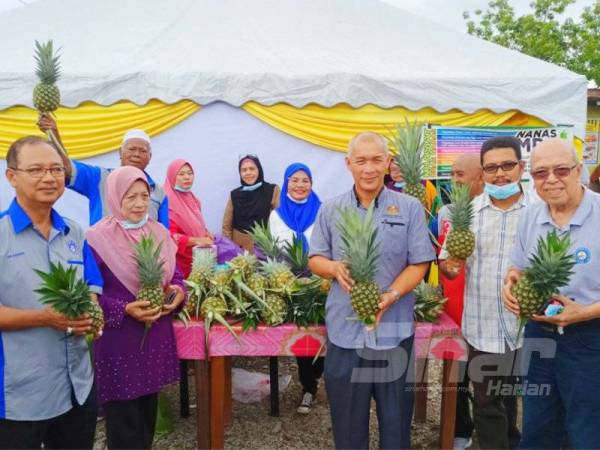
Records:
x=408, y=145
x=280, y=277
x=264, y=240
x=460, y=242
x=198, y=281
x=215, y=308
x=257, y=283
x=429, y=302
x=68, y=295
x=244, y=264
x=296, y=256
x=549, y=269
x=276, y=310
x=361, y=251
x=46, y=96
x=150, y=273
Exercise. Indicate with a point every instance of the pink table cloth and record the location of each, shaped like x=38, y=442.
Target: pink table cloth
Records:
x=440, y=340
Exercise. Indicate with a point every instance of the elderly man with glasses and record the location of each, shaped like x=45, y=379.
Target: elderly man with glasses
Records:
x=489, y=329
x=562, y=351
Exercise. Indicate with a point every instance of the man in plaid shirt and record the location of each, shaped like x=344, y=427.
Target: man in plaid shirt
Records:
x=489, y=329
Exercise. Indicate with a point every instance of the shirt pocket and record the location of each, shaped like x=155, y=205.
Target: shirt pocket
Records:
x=393, y=237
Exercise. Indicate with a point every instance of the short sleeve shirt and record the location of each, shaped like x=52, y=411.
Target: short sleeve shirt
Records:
x=40, y=367
x=536, y=222
x=90, y=181
x=404, y=240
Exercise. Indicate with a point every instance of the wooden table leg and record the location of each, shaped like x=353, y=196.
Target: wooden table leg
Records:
x=448, y=410
x=202, y=378
x=421, y=386
x=184, y=390
x=228, y=412
x=217, y=402
x=274, y=380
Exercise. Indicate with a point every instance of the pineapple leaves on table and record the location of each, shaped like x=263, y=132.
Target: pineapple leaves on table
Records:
x=429, y=302
x=69, y=295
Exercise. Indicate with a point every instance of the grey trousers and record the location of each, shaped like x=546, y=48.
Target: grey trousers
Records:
x=380, y=374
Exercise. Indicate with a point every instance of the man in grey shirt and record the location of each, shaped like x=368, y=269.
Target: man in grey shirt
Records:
x=356, y=367
x=46, y=378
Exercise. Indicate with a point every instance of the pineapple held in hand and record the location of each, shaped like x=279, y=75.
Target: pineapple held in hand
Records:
x=361, y=251
x=46, y=96
x=460, y=242
x=150, y=271
x=68, y=295
x=429, y=302
x=549, y=269
x=408, y=144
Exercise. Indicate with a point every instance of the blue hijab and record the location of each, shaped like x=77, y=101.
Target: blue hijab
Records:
x=298, y=216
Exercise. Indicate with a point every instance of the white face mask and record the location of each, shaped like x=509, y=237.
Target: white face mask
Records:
x=299, y=202
x=180, y=189
x=127, y=225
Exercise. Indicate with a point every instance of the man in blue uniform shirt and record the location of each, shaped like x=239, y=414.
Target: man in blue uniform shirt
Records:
x=46, y=378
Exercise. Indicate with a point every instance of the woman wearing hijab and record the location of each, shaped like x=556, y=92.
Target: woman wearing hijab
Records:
x=295, y=216
x=129, y=377
x=250, y=203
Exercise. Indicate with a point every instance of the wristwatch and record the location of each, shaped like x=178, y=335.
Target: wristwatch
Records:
x=395, y=293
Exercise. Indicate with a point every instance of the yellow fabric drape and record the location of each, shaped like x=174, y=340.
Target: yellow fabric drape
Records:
x=334, y=127
x=90, y=129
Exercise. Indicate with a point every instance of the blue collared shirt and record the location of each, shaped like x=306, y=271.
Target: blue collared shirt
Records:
x=90, y=181
x=404, y=240
x=536, y=221
x=40, y=367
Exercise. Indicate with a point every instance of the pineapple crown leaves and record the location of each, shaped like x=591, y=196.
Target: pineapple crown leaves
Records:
x=149, y=262
x=265, y=241
x=296, y=256
x=62, y=290
x=47, y=62
x=461, y=206
x=360, y=247
x=407, y=143
x=550, y=267
x=203, y=261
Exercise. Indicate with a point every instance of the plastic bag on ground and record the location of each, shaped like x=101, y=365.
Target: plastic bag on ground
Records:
x=250, y=387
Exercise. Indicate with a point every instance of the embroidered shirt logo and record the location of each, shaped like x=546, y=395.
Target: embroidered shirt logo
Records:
x=583, y=255
x=72, y=246
x=392, y=210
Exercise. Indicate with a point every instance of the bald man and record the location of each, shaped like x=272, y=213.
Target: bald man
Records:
x=466, y=170
x=563, y=351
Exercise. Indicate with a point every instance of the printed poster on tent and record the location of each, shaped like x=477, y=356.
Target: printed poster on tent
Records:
x=442, y=145
x=591, y=146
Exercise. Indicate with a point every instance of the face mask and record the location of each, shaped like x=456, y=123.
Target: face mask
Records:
x=127, y=225
x=400, y=184
x=253, y=187
x=180, y=189
x=299, y=202
x=502, y=192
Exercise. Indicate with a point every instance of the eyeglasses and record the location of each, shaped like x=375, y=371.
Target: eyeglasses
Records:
x=40, y=172
x=247, y=155
x=505, y=166
x=559, y=172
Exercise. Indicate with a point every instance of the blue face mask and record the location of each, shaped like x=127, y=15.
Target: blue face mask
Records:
x=502, y=192
x=400, y=184
x=180, y=189
x=127, y=225
x=253, y=187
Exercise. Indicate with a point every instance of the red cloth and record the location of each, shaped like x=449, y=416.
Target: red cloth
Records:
x=454, y=290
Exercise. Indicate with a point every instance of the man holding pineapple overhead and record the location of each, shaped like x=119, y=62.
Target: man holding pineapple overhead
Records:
x=565, y=368
x=491, y=332
x=374, y=244
x=90, y=181
x=46, y=379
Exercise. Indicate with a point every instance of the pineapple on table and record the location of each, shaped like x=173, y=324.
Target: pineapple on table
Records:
x=408, y=145
x=69, y=295
x=275, y=311
x=296, y=256
x=215, y=308
x=429, y=302
x=550, y=268
x=460, y=241
x=280, y=277
x=150, y=274
x=198, y=282
x=265, y=241
x=361, y=251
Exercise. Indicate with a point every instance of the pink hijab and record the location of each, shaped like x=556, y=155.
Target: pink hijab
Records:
x=115, y=245
x=184, y=207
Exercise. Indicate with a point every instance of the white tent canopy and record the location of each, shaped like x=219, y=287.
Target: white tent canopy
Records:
x=298, y=52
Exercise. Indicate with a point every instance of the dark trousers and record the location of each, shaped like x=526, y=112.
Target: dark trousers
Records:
x=494, y=399
x=561, y=390
x=74, y=429
x=464, y=421
x=309, y=373
x=353, y=378
x=130, y=423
